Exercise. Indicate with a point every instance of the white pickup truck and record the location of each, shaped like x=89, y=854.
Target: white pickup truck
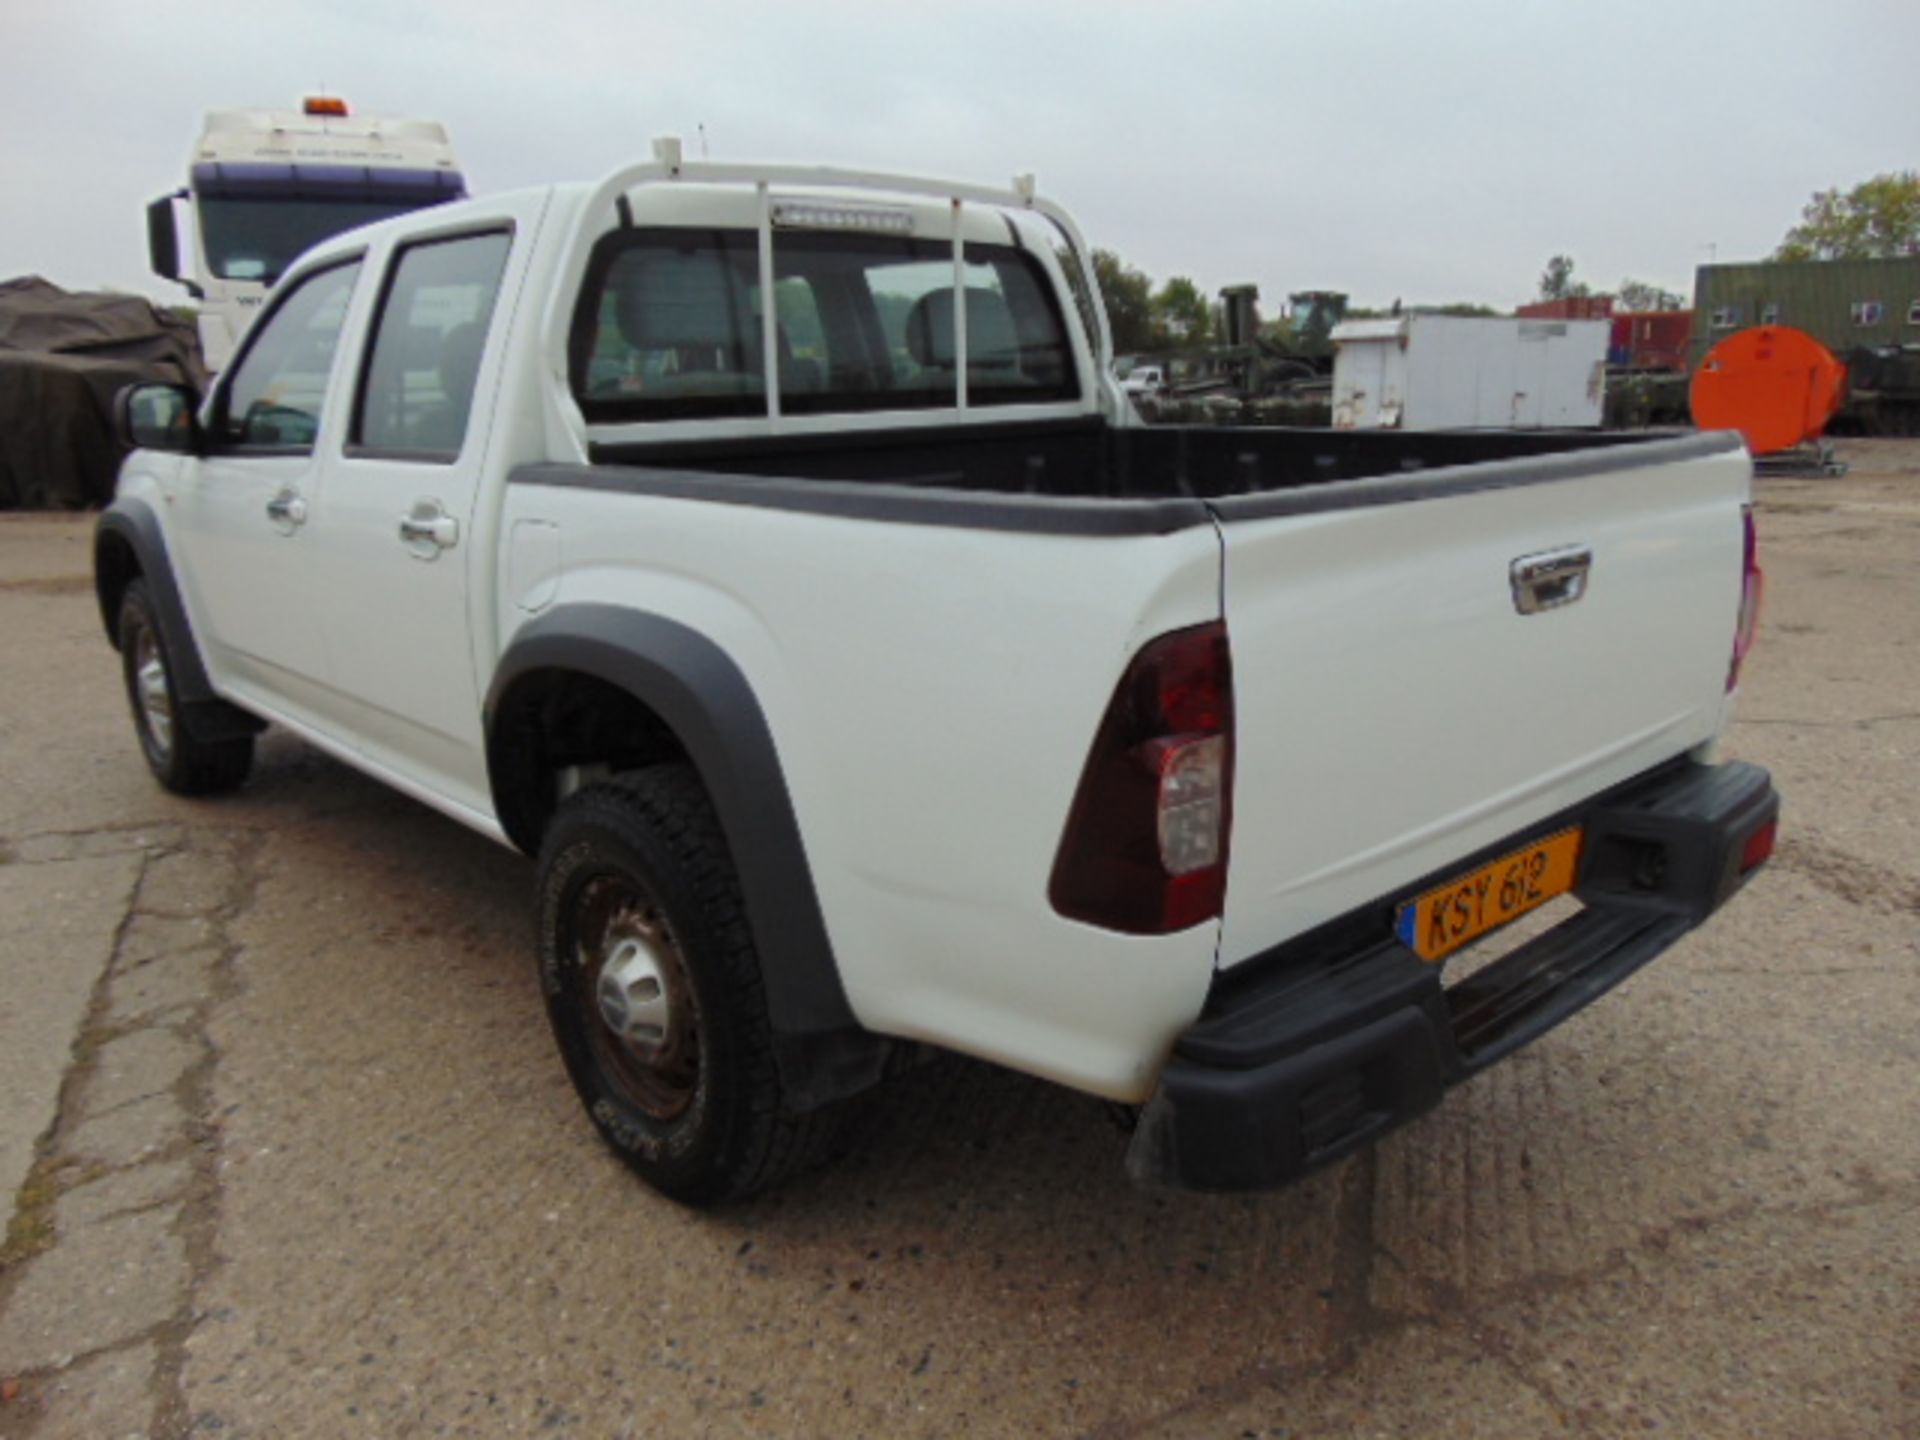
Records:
x=770, y=553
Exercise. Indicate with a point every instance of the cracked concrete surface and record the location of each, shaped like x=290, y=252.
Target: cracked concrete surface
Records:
x=287, y=1152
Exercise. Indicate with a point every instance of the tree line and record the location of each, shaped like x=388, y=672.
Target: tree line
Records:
x=1877, y=218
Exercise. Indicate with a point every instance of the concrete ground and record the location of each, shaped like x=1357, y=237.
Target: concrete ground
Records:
x=286, y=1150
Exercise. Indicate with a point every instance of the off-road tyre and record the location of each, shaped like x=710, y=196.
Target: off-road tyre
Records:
x=179, y=760
x=702, y=1133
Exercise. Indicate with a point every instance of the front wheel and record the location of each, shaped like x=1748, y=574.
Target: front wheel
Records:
x=654, y=992
x=179, y=760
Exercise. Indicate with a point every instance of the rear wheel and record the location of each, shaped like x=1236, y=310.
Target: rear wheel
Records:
x=654, y=992
x=184, y=763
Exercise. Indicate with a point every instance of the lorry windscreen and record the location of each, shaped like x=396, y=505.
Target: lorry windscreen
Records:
x=250, y=238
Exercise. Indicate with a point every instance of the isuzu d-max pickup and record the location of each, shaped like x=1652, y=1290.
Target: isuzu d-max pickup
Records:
x=770, y=553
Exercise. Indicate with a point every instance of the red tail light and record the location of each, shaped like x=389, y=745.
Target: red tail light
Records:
x=1752, y=583
x=1759, y=846
x=1145, y=848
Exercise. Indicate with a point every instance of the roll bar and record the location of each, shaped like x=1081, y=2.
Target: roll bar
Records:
x=669, y=166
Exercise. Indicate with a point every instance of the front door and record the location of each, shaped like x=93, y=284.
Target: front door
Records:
x=407, y=581
x=240, y=514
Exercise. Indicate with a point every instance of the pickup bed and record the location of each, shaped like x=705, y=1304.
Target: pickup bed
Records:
x=861, y=674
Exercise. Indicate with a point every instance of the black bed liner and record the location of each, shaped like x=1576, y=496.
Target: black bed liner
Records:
x=1082, y=476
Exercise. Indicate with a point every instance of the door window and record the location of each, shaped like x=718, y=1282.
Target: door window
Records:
x=274, y=396
x=417, y=392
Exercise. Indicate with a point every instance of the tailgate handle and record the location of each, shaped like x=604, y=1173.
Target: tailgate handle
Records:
x=1550, y=579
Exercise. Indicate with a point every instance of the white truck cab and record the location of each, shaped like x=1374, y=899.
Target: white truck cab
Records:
x=265, y=185
x=770, y=553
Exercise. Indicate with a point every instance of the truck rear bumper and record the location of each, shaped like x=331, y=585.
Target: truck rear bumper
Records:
x=1325, y=1045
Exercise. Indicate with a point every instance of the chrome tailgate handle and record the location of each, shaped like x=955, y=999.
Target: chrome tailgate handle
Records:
x=1550, y=579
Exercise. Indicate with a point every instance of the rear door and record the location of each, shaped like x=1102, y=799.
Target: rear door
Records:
x=1531, y=381
x=397, y=522
x=1396, y=710
x=1360, y=400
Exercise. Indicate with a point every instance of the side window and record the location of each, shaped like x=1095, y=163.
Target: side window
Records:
x=273, y=397
x=427, y=342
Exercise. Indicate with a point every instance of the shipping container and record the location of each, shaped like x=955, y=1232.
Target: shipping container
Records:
x=1570, y=307
x=1451, y=372
x=1619, y=342
x=1651, y=339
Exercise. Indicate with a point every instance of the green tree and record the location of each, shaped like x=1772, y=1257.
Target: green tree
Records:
x=1557, y=282
x=1182, y=313
x=1640, y=295
x=1876, y=219
x=1128, y=296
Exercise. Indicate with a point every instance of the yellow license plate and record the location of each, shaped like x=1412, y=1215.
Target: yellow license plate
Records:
x=1460, y=911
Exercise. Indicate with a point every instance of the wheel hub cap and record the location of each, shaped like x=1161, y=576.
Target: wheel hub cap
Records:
x=631, y=992
x=632, y=996
x=150, y=676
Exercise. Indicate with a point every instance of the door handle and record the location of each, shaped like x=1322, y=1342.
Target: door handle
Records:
x=287, y=509
x=427, y=529
x=1550, y=579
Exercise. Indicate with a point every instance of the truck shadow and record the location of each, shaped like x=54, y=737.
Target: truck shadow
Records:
x=973, y=1216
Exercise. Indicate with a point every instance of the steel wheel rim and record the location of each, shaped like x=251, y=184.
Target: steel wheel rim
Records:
x=634, y=998
x=151, y=691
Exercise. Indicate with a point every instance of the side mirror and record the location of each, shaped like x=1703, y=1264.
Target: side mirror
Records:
x=163, y=240
x=158, y=417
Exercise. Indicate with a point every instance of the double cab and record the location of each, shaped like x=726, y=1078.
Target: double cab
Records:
x=769, y=553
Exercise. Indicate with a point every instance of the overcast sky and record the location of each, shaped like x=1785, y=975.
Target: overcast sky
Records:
x=1423, y=151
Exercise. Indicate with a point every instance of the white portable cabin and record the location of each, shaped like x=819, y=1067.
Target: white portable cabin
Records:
x=1457, y=372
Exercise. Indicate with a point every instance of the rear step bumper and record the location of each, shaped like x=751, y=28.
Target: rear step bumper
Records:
x=1328, y=1050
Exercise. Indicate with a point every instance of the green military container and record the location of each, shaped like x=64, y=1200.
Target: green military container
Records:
x=1844, y=304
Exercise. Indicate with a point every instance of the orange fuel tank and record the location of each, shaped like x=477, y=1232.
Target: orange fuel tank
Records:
x=1776, y=385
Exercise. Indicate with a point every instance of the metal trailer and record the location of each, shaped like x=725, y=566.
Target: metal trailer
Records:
x=1450, y=372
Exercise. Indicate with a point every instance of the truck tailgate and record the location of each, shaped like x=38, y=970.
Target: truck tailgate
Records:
x=1394, y=709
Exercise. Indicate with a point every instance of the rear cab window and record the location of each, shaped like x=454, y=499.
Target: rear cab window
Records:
x=669, y=326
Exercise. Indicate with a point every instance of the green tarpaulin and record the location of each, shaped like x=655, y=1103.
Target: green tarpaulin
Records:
x=63, y=356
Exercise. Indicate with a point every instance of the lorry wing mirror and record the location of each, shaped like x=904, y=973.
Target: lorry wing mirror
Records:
x=158, y=417
x=163, y=243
